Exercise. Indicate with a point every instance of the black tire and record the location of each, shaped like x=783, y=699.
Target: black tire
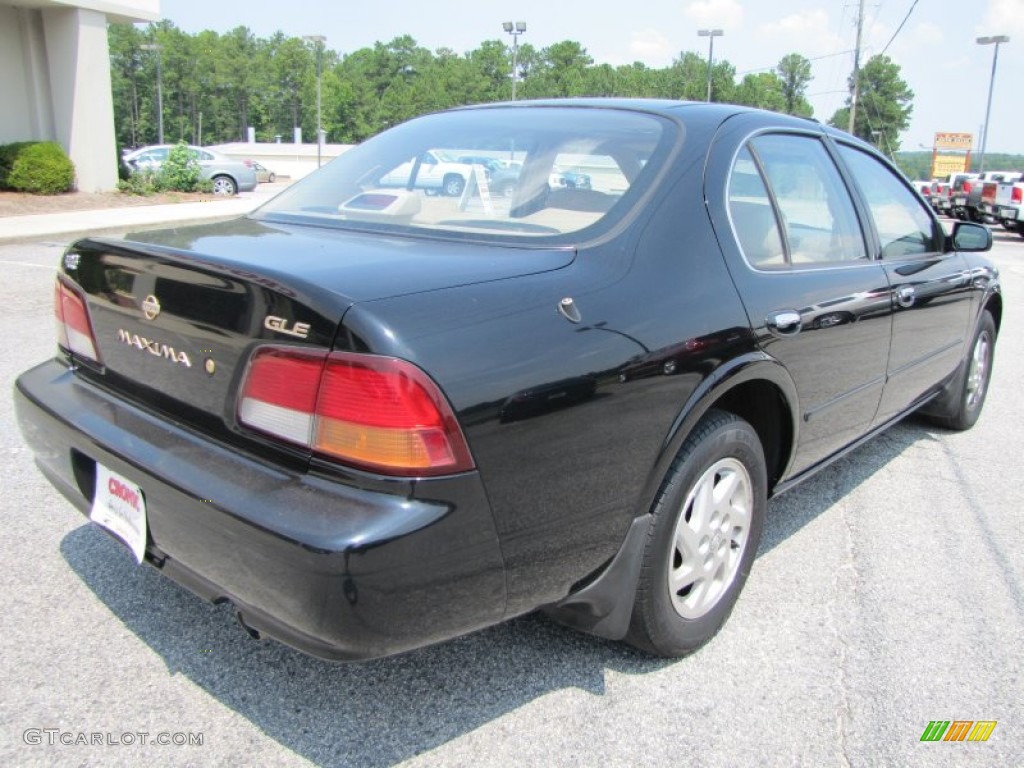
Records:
x=672, y=620
x=272, y=178
x=224, y=185
x=963, y=406
x=453, y=185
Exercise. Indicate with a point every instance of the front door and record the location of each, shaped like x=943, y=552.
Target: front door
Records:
x=931, y=289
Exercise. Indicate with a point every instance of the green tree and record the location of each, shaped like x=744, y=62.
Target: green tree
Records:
x=883, y=107
x=292, y=63
x=559, y=71
x=795, y=73
x=126, y=77
x=762, y=90
x=215, y=86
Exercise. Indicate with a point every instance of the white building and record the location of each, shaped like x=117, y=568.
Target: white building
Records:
x=56, y=78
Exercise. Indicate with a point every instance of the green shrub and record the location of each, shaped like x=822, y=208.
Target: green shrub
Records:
x=8, y=154
x=139, y=183
x=147, y=182
x=38, y=167
x=181, y=171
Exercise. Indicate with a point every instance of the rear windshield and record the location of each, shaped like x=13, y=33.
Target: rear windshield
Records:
x=534, y=172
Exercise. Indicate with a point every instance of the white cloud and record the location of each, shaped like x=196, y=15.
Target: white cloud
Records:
x=927, y=33
x=650, y=46
x=727, y=14
x=1004, y=17
x=809, y=33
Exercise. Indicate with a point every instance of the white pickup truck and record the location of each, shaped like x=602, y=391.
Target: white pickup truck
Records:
x=1009, y=206
x=1004, y=201
x=435, y=172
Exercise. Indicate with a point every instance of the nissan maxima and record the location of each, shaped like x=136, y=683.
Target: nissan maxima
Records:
x=373, y=418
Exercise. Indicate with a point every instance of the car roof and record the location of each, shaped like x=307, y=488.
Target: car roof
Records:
x=671, y=108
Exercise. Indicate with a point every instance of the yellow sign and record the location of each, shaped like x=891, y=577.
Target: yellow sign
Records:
x=961, y=141
x=944, y=165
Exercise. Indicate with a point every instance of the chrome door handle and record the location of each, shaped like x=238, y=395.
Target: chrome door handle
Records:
x=905, y=296
x=785, y=322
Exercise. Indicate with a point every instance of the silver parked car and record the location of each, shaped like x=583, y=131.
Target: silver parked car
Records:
x=229, y=176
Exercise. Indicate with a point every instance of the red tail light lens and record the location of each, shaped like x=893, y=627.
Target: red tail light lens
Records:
x=376, y=413
x=74, y=329
x=967, y=187
x=1017, y=195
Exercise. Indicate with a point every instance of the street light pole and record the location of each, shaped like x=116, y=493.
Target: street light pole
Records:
x=515, y=30
x=159, y=90
x=993, y=40
x=711, y=34
x=319, y=41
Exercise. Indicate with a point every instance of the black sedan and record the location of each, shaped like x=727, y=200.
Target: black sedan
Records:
x=374, y=419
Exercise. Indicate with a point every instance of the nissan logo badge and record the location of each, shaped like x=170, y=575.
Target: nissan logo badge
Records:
x=150, y=307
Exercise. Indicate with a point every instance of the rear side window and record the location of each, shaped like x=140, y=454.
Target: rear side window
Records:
x=818, y=219
x=752, y=214
x=905, y=228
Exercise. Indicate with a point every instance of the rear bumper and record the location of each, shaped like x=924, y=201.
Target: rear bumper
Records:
x=338, y=571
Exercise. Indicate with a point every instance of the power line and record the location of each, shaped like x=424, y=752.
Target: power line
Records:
x=912, y=7
x=813, y=58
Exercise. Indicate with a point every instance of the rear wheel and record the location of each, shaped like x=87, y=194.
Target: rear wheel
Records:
x=705, y=528
x=965, y=404
x=224, y=185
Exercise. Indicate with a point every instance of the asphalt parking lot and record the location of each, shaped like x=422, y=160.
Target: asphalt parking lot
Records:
x=888, y=593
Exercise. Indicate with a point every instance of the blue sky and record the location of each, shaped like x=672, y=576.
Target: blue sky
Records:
x=936, y=49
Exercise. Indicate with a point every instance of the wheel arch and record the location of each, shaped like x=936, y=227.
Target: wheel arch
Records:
x=758, y=389
x=994, y=306
x=755, y=387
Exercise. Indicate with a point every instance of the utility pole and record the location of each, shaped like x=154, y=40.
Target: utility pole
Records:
x=318, y=41
x=711, y=34
x=996, y=40
x=856, y=66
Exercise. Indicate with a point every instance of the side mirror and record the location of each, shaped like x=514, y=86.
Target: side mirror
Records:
x=968, y=236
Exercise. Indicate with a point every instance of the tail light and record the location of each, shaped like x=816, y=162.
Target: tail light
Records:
x=74, y=329
x=967, y=187
x=1017, y=195
x=247, y=163
x=376, y=413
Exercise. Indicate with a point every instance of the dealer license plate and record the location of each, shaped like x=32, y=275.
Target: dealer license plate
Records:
x=120, y=506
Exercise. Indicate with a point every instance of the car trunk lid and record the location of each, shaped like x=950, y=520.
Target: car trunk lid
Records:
x=176, y=314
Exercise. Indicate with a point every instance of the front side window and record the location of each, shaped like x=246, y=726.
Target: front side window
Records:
x=541, y=172
x=905, y=228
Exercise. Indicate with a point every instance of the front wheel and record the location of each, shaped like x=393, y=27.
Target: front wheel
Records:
x=453, y=185
x=224, y=185
x=968, y=397
x=705, y=527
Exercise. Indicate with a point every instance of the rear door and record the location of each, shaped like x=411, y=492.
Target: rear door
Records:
x=817, y=301
x=930, y=288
